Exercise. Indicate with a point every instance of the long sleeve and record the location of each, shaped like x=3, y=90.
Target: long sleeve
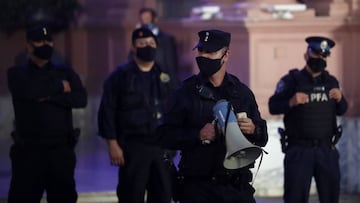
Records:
x=342, y=106
x=260, y=136
x=173, y=133
x=24, y=87
x=77, y=98
x=107, y=110
x=279, y=101
x=40, y=104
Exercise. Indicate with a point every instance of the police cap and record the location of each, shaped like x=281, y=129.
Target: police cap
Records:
x=38, y=33
x=142, y=32
x=213, y=40
x=320, y=45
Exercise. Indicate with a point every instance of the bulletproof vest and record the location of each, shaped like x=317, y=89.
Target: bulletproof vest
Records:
x=141, y=105
x=315, y=119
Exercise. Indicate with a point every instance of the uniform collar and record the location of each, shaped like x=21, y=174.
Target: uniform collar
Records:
x=34, y=66
x=136, y=69
x=321, y=77
x=205, y=81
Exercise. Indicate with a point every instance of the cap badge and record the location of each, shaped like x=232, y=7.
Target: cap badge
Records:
x=206, y=37
x=44, y=31
x=141, y=34
x=323, y=45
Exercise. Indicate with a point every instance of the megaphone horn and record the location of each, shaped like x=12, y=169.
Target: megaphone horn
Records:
x=240, y=152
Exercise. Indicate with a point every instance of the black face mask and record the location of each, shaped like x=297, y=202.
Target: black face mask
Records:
x=43, y=52
x=207, y=66
x=317, y=65
x=147, y=53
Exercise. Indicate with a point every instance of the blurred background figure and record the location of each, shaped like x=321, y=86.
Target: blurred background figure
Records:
x=166, y=54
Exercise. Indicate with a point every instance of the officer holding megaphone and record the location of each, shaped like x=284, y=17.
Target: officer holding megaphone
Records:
x=214, y=120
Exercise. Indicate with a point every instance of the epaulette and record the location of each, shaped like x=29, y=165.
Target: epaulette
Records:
x=295, y=74
x=190, y=81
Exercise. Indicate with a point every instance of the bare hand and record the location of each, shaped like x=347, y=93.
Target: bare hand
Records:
x=207, y=132
x=66, y=85
x=116, y=153
x=299, y=98
x=246, y=125
x=335, y=93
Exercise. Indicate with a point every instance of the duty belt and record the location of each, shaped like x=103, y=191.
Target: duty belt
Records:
x=310, y=142
x=226, y=179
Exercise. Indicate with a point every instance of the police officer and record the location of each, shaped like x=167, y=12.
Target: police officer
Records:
x=43, y=95
x=189, y=126
x=310, y=100
x=131, y=109
x=166, y=56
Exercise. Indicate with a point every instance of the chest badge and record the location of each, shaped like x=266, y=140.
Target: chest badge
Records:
x=164, y=77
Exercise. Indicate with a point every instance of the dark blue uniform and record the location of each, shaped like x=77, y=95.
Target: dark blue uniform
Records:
x=130, y=111
x=42, y=155
x=309, y=128
x=205, y=180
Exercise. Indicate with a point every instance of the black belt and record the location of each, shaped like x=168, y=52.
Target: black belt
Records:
x=224, y=179
x=31, y=140
x=310, y=142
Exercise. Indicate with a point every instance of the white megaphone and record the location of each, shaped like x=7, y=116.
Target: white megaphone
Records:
x=240, y=152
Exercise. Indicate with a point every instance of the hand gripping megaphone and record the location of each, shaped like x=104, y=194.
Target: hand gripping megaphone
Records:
x=240, y=152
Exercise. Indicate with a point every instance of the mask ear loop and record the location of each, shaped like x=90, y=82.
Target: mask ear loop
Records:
x=226, y=51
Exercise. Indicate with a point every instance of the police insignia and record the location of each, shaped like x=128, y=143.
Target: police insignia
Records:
x=164, y=77
x=44, y=31
x=280, y=86
x=323, y=45
x=207, y=37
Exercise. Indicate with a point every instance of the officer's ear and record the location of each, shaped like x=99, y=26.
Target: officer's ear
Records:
x=133, y=48
x=29, y=47
x=227, y=54
x=306, y=56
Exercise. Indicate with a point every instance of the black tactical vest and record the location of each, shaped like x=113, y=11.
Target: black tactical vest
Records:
x=140, y=108
x=316, y=119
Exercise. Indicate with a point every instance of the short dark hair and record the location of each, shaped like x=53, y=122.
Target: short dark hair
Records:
x=151, y=10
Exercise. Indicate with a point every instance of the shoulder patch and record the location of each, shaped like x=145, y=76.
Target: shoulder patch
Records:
x=280, y=86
